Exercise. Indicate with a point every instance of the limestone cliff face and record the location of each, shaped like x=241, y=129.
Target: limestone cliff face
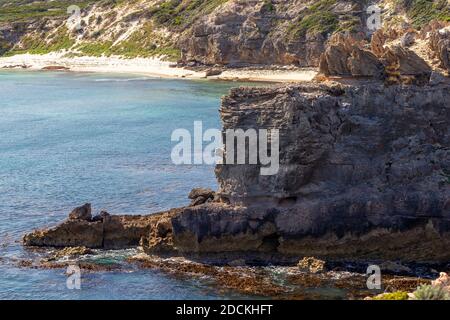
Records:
x=364, y=172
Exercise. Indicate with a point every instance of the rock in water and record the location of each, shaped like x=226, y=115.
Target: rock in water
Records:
x=70, y=252
x=105, y=231
x=82, y=213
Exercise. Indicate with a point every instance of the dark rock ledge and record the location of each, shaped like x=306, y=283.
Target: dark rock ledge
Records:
x=364, y=174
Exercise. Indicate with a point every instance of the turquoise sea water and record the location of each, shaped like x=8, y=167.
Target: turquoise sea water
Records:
x=71, y=138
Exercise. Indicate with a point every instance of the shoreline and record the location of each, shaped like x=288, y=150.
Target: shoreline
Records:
x=152, y=67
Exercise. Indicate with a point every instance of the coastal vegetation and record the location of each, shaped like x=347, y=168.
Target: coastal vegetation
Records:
x=397, y=295
x=35, y=44
x=22, y=10
x=430, y=292
x=144, y=42
x=321, y=17
x=181, y=14
x=317, y=18
x=423, y=11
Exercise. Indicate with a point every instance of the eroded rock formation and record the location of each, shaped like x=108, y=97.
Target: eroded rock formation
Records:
x=346, y=56
x=103, y=231
x=364, y=174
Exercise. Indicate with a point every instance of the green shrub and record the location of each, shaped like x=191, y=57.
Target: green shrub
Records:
x=37, y=44
x=398, y=295
x=181, y=14
x=429, y=292
x=22, y=10
x=268, y=5
x=423, y=11
x=318, y=18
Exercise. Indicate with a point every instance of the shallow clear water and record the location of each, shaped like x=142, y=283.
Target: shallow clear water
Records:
x=71, y=138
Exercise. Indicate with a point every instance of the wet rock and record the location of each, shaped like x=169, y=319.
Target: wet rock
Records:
x=311, y=265
x=82, y=213
x=243, y=280
x=70, y=252
x=237, y=263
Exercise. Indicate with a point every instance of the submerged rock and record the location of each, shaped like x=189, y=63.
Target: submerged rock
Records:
x=70, y=252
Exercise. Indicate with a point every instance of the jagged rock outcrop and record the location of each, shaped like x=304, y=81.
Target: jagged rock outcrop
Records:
x=103, y=231
x=439, y=44
x=407, y=62
x=345, y=56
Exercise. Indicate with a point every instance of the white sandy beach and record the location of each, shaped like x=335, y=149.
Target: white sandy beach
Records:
x=146, y=66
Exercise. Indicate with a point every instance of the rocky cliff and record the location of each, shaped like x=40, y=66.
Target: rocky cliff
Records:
x=364, y=174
